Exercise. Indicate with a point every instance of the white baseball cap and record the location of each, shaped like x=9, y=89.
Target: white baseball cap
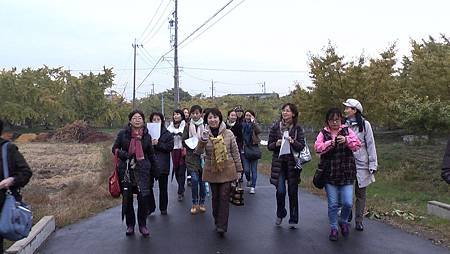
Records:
x=353, y=103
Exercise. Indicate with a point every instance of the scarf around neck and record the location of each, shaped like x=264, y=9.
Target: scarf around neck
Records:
x=136, y=144
x=247, y=132
x=219, y=152
x=231, y=124
x=196, y=128
x=285, y=126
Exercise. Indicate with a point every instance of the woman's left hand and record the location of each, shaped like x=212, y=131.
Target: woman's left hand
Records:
x=154, y=142
x=6, y=183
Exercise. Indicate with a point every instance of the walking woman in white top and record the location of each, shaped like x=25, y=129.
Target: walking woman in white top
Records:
x=365, y=157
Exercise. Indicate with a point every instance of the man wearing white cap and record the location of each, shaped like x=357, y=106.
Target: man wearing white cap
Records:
x=365, y=158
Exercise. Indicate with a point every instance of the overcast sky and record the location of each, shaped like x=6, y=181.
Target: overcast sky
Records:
x=268, y=35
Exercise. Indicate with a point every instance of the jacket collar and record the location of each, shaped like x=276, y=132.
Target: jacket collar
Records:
x=222, y=128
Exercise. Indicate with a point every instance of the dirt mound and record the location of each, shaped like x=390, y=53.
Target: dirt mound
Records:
x=43, y=137
x=95, y=137
x=25, y=138
x=79, y=131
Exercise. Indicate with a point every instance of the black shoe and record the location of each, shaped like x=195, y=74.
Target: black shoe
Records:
x=359, y=226
x=130, y=231
x=220, y=231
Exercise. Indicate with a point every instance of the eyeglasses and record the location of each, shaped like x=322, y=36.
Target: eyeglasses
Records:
x=334, y=120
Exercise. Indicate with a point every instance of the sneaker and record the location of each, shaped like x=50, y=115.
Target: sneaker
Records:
x=180, y=197
x=278, y=221
x=144, y=231
x=333, y=235
x=202, y=208
x=189, y=182
x=195, y=209
x=345, y=230
x=359, y=226
x=252, y=190
x=130, y=231
x=292, y=226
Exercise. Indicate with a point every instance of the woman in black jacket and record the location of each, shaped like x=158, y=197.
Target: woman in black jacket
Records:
x=283, y=167
x=163, y=146
x=19, y=172
x=137, y=165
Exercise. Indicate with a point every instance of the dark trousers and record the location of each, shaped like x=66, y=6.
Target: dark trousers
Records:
x=1, y=244
x=221, y=203
x=292, y=193
x=360, y=202
x=141, y=213
x=163, y=195
x=180, y=175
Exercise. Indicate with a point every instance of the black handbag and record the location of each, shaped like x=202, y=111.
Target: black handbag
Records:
x=252, y=152
x=319, y=179
x=237, y=194
x=321, y=175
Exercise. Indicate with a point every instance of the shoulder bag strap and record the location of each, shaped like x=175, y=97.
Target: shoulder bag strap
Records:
x=5, y=160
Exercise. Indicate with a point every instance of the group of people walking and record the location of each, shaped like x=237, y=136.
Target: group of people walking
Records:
x=199, y=143
x=218, y=151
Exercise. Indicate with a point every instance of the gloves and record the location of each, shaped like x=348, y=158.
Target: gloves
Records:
x=123, y=155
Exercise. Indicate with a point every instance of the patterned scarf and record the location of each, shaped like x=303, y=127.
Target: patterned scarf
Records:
x=219, y=153
x=136, y=144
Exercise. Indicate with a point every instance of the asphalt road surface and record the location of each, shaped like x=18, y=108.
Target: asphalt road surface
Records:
x=251, y=230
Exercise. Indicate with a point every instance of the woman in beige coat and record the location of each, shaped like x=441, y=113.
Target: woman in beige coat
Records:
x=222, y=165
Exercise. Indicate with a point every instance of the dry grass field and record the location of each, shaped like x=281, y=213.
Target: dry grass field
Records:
x=69, y=180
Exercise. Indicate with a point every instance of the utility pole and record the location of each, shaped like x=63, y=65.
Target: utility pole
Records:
x=162, y=103
x=263, y=86
x=134, y=72
x=175, y=71
x=212, y=90
x=153, y=88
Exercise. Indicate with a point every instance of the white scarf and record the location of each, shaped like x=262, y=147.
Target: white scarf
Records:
x=177, y=139
x=231, y=124
x=200, y=128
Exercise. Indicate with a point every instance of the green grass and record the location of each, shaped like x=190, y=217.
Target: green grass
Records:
x=408, y=177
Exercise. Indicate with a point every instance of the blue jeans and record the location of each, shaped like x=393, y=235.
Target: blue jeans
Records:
x=250, y=169
x=339, y=196
x=196, y=180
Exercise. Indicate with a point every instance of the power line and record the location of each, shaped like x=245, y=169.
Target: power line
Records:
x=190, y=35
x=156, y=23
x=213, y=23
x=204, y=23
x=244, y=70
x=151, y=20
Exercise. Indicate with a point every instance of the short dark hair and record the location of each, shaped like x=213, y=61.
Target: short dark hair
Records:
x=163, y=120
x=251, y=112
x=179, y=111
x=136, y=111
x=293, y=109
x=230, y=111
x=214, y=112
x=331, y=113
x=1, y=126
x=194, y=108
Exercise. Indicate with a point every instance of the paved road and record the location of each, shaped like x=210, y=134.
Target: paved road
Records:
x=251, y=230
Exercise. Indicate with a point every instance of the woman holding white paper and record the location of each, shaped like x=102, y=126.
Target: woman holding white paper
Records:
x=286, y=131
x=163, y=145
